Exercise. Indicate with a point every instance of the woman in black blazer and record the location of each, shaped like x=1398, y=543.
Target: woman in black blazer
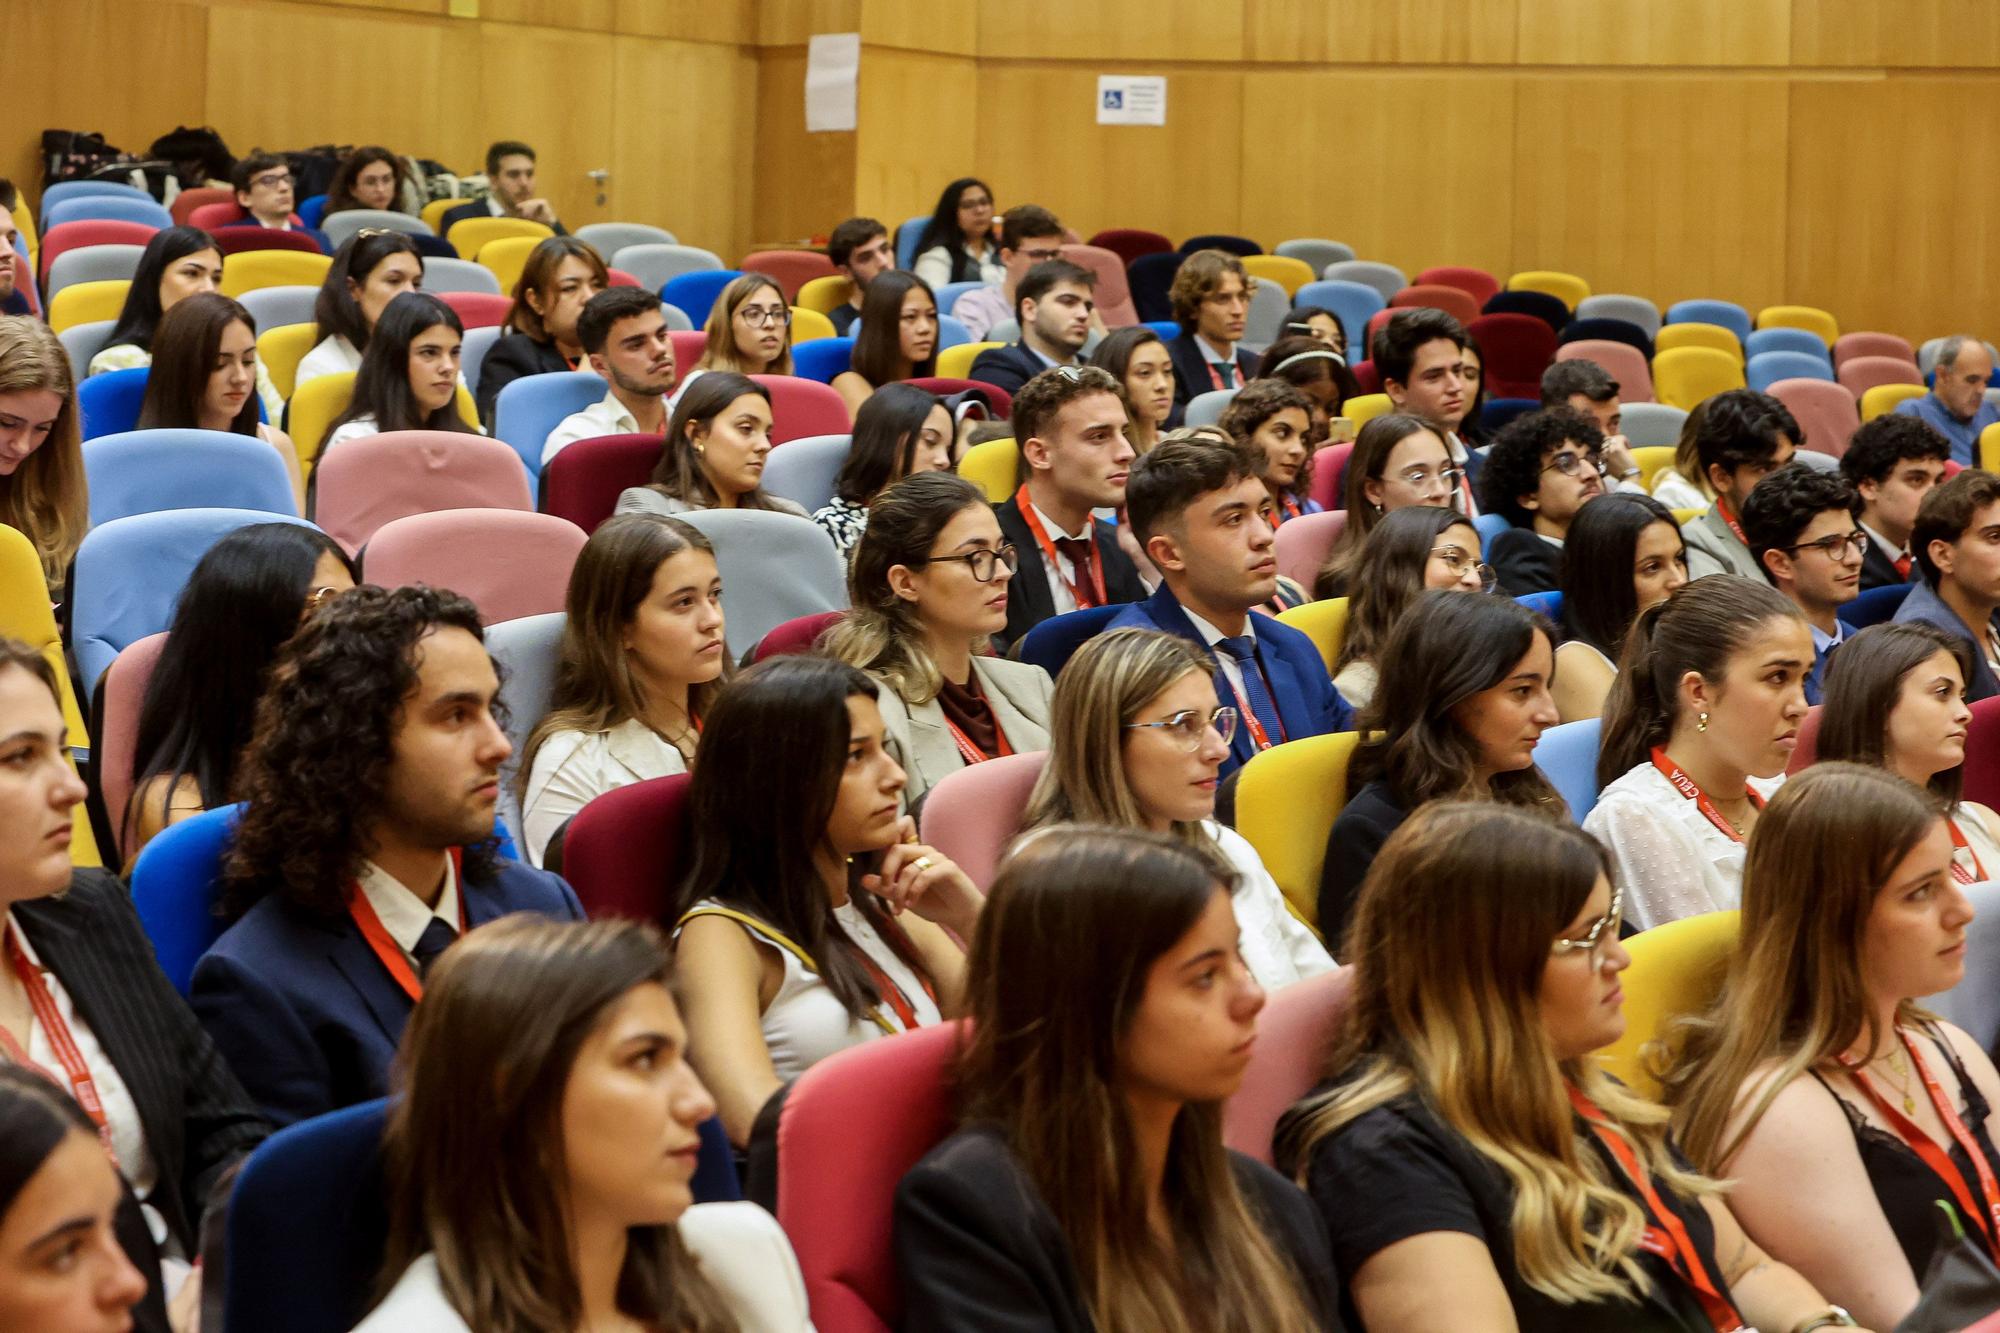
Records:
x=1089, y=1189
x=539, y=336
x=82, y=997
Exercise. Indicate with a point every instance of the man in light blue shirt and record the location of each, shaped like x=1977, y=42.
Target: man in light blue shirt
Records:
x=1956, y=406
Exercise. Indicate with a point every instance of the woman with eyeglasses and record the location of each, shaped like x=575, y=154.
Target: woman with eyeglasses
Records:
x=928, y=586
x=897, y=338
x=1138, y=743
x=1621, y=555
x=1410, y=551
x=749, y=332
x=957, y=243
x=1398, y=460
x=1540, y=472
x=1475, y=1166
x=1462, y=702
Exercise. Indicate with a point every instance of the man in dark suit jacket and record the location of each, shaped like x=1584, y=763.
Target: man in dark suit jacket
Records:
x=1960, y=591
x=364, y=849
x=1054, y=305
x=1211, y=296
x=510, y=170
x=1203, y=515
x=1892, y=463
x=1540, y=472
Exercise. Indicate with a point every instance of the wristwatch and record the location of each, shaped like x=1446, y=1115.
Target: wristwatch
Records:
x=1627, y=475
x=1831, y=1317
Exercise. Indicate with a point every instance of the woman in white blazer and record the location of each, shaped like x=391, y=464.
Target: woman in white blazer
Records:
x=547, y=1112
x=929, y=584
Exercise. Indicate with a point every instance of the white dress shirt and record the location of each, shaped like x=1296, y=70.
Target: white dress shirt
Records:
x=1276, y=946
x=1232, y=669
x=333, y=355
x=1062, y=572
x=606, y=416
x=403, y=914
x=573, y=768
x=1887, y=547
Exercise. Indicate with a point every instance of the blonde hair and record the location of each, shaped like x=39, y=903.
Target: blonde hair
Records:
x=46, y=498
x=719, y=352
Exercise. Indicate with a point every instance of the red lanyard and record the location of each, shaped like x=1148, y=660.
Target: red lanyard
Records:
x=1685, y=786
x=1722, y=508
x=82, y=1085
x=1959, y=844
x=1289, y=508
x=1260, y=737
x=384, y=945
x=1666, y=1235
x=1048, y=549
x=969, y=751
x=1987, y=1219
x=906, y=1012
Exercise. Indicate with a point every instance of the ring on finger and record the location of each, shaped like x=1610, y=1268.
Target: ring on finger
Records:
x=923, y=863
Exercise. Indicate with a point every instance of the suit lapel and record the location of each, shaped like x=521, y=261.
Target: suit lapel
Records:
x=357, y=964
x=1028, y=591
x=1013, y=719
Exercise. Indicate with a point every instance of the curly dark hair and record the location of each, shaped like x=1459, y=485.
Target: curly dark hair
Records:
x=316, y=770
x=1515, y=459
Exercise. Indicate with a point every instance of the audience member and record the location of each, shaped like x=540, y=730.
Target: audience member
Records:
x=567, y=1201
x=1088, y=1187
x=1272, y=422
x=371, y=177
x=1462, y=702
x=1787, y=1085
x=1409, y=551
x=642, y=658
x=1211, y=300
x=897, y=338
x=42, y=490
x=928, y=586
x=1075, y=458
x=811, y=919
x=900, y=431
x=246, y=597
x=748, y=330
x=204, y=376
x=366, y=846
x=1541, y=470
x=1398, y=460
x=1467, y=1130
x=1203, y=516
x=957, y=243
x=368, y=272
x=1318, y=323
x=624, y=332
x=714, y=453
x=1622, y=555
x=1743, y=438
x=409, y=375
x=1029, y=235
x=1956, y=406
x=1138, y=744
x=1956, y=541
x=859, y=248
x=1892, y=462
x=1898, y=702
x=1799, y=522
x=561, y=277
x=1698, y=729
x=1420, y=357
x=263, y=184
x=84, y=999
x=1055, y=305
x=1316, y=370
x=14, y=263
x=510, y=179
x=1582, y=384
x=1137, y=358
x=1683, y=486
x=1472, y=427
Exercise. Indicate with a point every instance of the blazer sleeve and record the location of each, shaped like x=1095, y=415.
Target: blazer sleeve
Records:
x=1522, y=568
x=264, y=1039
x=998, y=366
x=959, y=1249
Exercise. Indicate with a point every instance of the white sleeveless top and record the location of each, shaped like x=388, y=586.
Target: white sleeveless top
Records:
x=804, y=1023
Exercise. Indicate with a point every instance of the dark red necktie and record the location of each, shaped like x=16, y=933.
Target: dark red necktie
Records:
x=1078, y=551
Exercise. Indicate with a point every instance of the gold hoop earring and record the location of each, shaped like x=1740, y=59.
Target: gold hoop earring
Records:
x=1701, y=721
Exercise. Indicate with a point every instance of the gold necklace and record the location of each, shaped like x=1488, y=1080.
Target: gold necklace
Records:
x=1900, y=1067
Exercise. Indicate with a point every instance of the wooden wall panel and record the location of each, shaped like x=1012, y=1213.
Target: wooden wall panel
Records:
x=1381, y=31
x=1110, y=30
x=1647, y=32
x=921, y=25
x=729, y=22
x=1929, y=33
x=581, y=15
x=530, y=79
x=793, y=22
x=801, y=184
x=917, y=115
x=678, y=172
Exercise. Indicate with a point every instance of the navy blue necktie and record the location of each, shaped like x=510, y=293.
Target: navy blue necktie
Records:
x=1244, y=649
x=437, y=937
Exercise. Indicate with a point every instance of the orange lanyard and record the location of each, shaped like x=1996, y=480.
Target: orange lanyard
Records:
x=1048, y=550
x=906, y=1013
x=1940, y=1163
x=384, y=945
x=969, y=751
x=1666, y=1236
x=1722, y=508
x=1959, y=844
x=1258, y=736
x=1288, y=508
x=1685, y=786
x=82, y=1085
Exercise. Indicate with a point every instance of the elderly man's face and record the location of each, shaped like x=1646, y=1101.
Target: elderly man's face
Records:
x=1962, y=384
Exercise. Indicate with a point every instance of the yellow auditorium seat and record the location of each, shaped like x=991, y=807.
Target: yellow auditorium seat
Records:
x=320, y=401
x=434, y=211
x=1810, y=318
x=955, y=363
x=1683, y=515
x=1684, y=376
x=825, y=295
x=1989, y=448
x=808, y=325
x=24, y=218
x=1651, y=460
x=1287, y=798
x=1291, y=274
x=87, y=302
x=1366, y=407
x=25, y=615
x=1325, y=623
x=474, y=234
x=993, y=466
x=1677, y=969
x=253, y=270
x=506, y=257
x=1674, y=336
x=1882, y=398
x=1565, y=287
x=281, y=349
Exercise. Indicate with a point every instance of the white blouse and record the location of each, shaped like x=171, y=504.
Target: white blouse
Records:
x=1277, y=947
x=1670, y=860
x=333, y=355
x=1979, y=843
x=573, y=768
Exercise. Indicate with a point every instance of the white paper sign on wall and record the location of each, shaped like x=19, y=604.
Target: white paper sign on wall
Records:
x=1131, y=99
x=833, y=70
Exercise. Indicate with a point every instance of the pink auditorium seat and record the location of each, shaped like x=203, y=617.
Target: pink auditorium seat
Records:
x=1826, y=412
x=1293, y=1034
x=478, y=310
x=1113, y=294
x=799, y=635
x=623, y=851
x=509, y=564
x=1859, y=374
x=122, y=695
x=804, y=407
x=790, y=269
x=1365, y=376
x=688, y=347
x=1477, y=283
x=618, y=277
x=1328, y=463
x=377, y=479
x=1379, y=319
x=1622, y=361
x=1454, y=301
x=67, y=236
x=1850, y=345
x=583, y=481
x=187, y=201
x=974, y=813
x=1304, y=541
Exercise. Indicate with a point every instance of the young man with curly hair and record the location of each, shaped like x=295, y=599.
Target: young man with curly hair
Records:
x=1540, y=471
x=365, y=846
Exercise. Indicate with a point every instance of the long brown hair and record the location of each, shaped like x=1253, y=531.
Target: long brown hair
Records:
x=1389, y=574
x=719, y=352
x=538, y=276
x=1793, y=994
x=1450, y=939
x=878, y=345
x=678, y=473
x=45, y=498
x=1365, y=463
x=184, y=350
x=1863, y=683
x=505, y=1012
x=1071, y=928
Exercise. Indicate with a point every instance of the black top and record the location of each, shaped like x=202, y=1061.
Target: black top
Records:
x=1907, y=1190
x=1007, y=368
x=511, y=357
x=1363, y=825
x=1398, y=1171
x=843, y=317
x=1878, y=570
x=978, y=1249
x=1525, y=562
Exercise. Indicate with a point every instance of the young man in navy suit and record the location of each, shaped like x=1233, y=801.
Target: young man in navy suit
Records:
x=1203, y=515
x=1211, y=296
x=1892, y=463
x=365, y=848
x=1054, y=305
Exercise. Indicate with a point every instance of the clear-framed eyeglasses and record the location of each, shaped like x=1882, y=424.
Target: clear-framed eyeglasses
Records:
x=1600, y=935
x=1457, y=560
x=1419, y=477
x=1188, y=726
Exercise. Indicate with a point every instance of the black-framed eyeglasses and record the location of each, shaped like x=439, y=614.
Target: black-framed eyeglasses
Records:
x=1569, y=463
x=1457, y=560
x=271, y=180
x=1040, y=255
x=984, y=563
x=1839, y=546
x=1189, y=726
x=1600, y=934
x=763, y=316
